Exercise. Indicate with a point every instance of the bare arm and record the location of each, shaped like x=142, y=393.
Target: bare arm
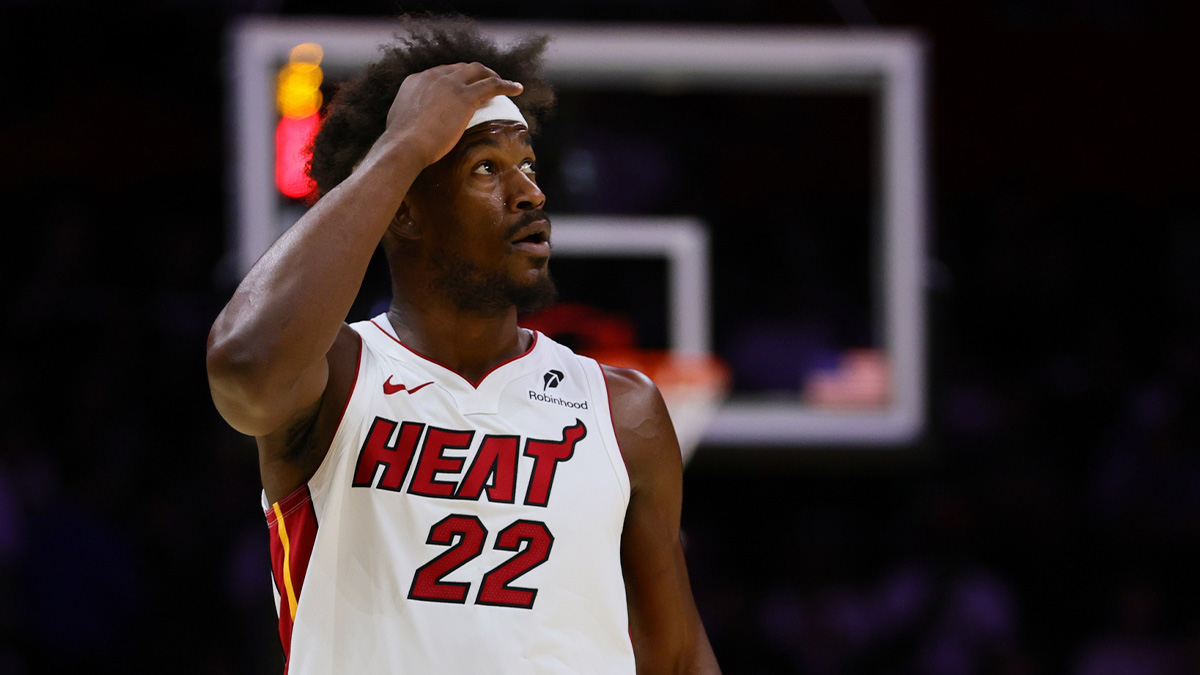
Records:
x=268, y=351
x=668, y=636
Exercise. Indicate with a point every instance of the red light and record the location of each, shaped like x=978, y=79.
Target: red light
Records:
x=292, y=153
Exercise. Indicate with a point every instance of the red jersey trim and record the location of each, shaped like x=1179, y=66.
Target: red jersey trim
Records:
x=293, y=524
x=475, y=384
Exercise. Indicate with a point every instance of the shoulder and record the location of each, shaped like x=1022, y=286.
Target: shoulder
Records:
x=644, y=431
x=627, y=382
x=632, y=394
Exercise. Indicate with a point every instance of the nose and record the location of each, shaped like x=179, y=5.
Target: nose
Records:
x=524, y=194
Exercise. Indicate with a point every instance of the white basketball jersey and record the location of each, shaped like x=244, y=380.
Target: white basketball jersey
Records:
x=459, y=527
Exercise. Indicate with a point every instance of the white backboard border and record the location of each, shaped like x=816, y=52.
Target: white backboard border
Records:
x=887, y=63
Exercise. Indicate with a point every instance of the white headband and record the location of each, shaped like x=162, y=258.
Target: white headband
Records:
x=499, y=108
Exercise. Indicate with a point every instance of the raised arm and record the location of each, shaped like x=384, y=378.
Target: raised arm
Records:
x=668, y=636
x=269, y=351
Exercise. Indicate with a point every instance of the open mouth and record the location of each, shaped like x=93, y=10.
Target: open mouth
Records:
x=534, y=238
x=535, y=244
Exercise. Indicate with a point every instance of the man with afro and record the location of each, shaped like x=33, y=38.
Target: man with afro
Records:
x=446, y=491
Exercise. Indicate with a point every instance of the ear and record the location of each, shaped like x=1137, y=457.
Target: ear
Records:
x=404, y=226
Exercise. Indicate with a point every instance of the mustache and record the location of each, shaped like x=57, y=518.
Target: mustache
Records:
x=524, y=221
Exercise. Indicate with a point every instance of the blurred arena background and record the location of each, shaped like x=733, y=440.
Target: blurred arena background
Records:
x=1045, y=519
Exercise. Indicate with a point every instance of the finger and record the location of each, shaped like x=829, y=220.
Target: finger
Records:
x=477, y=73
x=495, y=85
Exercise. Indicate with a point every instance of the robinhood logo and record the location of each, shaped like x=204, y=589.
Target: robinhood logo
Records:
x=538, y=396
x=551, y=380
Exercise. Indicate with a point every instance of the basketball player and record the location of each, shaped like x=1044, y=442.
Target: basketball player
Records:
x=446, y=491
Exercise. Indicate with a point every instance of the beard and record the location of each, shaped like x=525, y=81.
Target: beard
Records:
x=474, y=290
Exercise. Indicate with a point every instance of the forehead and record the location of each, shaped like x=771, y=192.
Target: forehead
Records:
x=498, y=134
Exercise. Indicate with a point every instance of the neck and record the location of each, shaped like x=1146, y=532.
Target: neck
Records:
x=470, y=344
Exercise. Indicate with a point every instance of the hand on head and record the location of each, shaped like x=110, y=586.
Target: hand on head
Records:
x=432, y=107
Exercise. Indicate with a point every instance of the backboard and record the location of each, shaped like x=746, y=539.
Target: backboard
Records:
x=866, y=390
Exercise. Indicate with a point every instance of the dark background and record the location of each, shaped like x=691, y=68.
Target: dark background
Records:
x=1048, y=522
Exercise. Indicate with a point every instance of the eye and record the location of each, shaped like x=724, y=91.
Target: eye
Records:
x=528, y=167
x=483, y=169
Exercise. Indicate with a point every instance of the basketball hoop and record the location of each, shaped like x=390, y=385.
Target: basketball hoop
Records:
x=693, y=387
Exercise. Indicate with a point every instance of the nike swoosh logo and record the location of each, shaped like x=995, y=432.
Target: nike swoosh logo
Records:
x=389, y=388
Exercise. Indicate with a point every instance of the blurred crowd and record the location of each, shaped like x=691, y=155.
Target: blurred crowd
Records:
x=1047, y=522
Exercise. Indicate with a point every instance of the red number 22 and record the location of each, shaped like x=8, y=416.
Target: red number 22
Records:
x=531, y=540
